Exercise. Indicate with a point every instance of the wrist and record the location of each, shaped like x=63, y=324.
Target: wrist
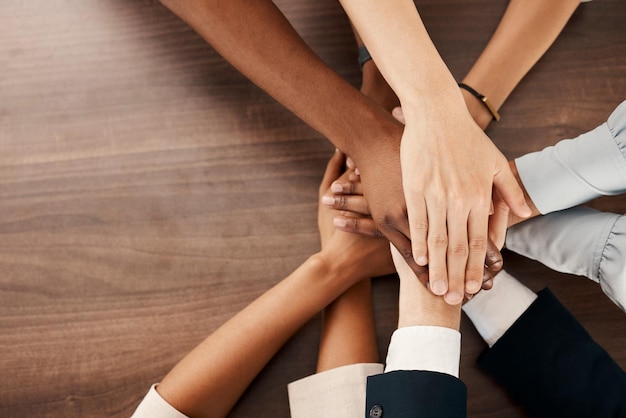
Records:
x=477, y=110
x=380, y=134
x=446, y=104
x=333, y=272
x=418, y=306
x=374, y=86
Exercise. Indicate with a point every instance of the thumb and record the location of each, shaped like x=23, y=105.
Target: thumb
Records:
x=510, y=191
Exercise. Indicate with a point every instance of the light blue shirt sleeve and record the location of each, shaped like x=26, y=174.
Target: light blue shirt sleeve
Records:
x=577, y=170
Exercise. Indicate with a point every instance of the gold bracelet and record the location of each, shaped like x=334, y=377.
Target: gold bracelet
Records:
x=483, y=99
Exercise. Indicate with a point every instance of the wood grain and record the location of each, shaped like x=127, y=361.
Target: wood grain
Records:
x=148, y=192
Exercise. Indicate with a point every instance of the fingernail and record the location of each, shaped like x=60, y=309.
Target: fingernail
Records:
x=472, y=286
x=340, y=222
x=357, y=171
x=421, y=260
x=336, y=187
x=438, y=287
x=328, y=200
x=453, y=298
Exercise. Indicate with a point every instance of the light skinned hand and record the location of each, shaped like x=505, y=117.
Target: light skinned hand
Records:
x=499, y=211
x=346, y=195
x=364, y=256
x=448, y=178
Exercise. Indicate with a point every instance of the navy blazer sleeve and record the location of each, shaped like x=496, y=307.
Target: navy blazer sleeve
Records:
x=552, y=367
x=409, y=394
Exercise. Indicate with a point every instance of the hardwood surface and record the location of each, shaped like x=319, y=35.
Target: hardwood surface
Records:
x=148, y=192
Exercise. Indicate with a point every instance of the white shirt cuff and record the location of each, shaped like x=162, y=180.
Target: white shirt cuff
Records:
x=494, y=311
x=154, y=406
x=436, y=349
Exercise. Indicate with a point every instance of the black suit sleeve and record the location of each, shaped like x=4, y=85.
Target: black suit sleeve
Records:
x=552, y=367
x=412, y=394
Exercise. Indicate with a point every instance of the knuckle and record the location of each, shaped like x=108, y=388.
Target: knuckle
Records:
x=483, y=200
x=342, y=202
x=458, y=250
x=390, y=220
x=496, y=266
x=406, y=253
x=420, y=226
x=493, y=259
x=456, y=199
x=478, y=244
x=438, y=241
x=387, y=221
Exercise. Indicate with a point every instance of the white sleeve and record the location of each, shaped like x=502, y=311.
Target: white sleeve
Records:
x=436, y=349
x=494, y=311
x=154, y=406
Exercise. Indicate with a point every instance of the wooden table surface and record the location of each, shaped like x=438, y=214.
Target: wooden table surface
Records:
x=148, y=192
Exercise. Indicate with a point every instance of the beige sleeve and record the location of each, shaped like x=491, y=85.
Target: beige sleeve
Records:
x=337, y=393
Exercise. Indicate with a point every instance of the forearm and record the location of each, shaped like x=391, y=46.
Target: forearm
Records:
x=397, y=39
x=210, y=379
x=258, y=40
x=348, y=334
x=524, y=34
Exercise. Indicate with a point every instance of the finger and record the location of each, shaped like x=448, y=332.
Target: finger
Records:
x=398, y=114
x=349, y=203
x=477, y=245
x=499, y=220
x=456, y=258
x=434, y=249
x=350, y=163
x=347, y=187
x=493, y=259
x=418, y=227
x=508, y=187
x=354, y=177
x=487, y=274
x=403, y=246
x=361, y=226
x=488, y=284
x=333, y=170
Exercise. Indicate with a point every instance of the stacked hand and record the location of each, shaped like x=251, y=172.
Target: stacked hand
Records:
x=362, y=255
x=346, y=195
